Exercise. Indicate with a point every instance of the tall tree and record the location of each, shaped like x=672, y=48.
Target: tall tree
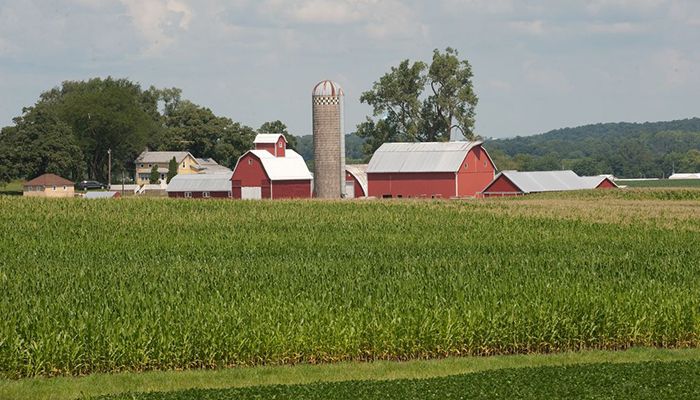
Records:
x=403, y=110
x=154, y=178
x=279, y=127
x=172, y=169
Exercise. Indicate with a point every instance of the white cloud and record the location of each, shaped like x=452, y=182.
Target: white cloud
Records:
x=157, y=20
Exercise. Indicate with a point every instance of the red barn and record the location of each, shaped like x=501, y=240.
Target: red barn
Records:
x=355, y=180
x=201, y=186
x=436, y=169
x=514, y=183
x=271, y=171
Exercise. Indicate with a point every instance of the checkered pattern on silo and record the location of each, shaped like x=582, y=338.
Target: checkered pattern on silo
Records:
x=329, y=147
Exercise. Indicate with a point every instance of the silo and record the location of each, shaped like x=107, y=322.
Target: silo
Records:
x=329, y=140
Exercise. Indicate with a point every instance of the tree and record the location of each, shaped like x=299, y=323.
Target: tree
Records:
x=172, y=170
x=404, y=110
x=279, y=127
x=154, y=179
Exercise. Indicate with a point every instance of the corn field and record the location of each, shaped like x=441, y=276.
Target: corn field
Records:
x=140, y=284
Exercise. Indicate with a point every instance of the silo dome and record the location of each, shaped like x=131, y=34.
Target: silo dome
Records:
x=328, y=89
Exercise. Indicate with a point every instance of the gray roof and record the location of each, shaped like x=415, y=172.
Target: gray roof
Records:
x=550, y=181
x=99, y=195
x=420, y=157
x=209, y=166
x=359, y=171
x=201, y=183
x=160, y=157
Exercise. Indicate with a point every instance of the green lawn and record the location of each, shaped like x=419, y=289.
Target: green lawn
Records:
x=12, y=188
x=676, y=380
x=661, y=183
x=68, y=388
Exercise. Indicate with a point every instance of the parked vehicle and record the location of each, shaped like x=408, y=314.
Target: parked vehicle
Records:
x=87, y=185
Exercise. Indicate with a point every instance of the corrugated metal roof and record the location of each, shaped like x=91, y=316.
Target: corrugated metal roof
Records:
x=328, y=88
x=359, y=171
x=99, y=195
x=288, y=168
x=210, y=166
x=549, y=181
x=156, y=157
x=268, y=137
x=201, y=183
x=592, y=182
x=420, y=157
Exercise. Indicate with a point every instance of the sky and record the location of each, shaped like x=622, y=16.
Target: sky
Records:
x=538, y=65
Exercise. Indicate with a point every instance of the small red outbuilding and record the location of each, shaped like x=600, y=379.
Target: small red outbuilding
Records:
x=271, y=171
x=435, y=169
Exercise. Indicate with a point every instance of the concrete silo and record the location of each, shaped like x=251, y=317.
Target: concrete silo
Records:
x=329, y=141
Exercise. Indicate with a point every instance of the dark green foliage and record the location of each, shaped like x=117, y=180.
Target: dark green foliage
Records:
x=353, y=148
x=420, y=102
x=172, y=170
x=624, y=149
x=154, y=178
x=652, y=381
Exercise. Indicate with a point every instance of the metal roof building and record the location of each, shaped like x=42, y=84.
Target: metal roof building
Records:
x=102, y=195
x=510, y=183
x=271, y=171
x=432, y=169
x=356, y=180
x=201, y=186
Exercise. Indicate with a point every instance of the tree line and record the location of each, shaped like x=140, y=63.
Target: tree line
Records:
x=69, y=130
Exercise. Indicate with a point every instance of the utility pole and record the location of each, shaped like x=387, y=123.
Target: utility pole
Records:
x=109, y=169
x=122, y=181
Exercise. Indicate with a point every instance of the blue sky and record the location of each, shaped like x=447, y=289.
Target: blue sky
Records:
x=538, y=65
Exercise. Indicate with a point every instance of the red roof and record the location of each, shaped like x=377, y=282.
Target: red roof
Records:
x=49, y=180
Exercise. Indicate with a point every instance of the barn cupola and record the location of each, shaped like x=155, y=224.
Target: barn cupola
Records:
x=274, y=143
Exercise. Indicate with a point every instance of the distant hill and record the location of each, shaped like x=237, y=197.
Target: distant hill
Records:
x=650, y=149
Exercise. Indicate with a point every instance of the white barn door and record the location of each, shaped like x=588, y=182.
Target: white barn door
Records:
x=251, y=193
x=350, y=190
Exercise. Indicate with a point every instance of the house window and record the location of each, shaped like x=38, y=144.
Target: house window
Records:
x=141, y=165
x=54, y=188
x=149, y=165
x=188, y=195
x=65, y=188
x=205, y=195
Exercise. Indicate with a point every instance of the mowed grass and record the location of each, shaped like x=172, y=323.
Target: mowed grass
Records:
x=675, y=380
x=142, y=284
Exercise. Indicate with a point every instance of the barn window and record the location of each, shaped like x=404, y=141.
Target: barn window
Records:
x=188, y=195
x=230, y=194
x=484, y=163
x=386, y=196
x=280, y=144
x=250, y=162
x=466, y=165
x=205, y=195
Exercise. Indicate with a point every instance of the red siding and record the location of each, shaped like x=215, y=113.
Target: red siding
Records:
x=281, y=146
x=270, y=147
x=423, y=184
x=359, y=192
x=291, y=189
x=276, y=149
x=502, y=186
x=606, y=184
x=473, y=175
x=249, y=172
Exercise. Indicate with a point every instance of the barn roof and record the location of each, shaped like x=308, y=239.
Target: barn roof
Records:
x=420, y=157
x=268, y=137
x=201, y=183
x=49, y=180
x=549, y=181
x=99, y=195
x=162, y=157
x=359, y=171
x=593, y=182
x=291, y=167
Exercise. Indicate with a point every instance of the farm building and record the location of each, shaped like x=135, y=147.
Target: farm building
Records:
x=685, y=176
x=355, y=180
x=102, y=195
x=49, y=185
x=187, y=164
x=513, y=183
x=201, y=186
x=271, y=171
x=441, y=169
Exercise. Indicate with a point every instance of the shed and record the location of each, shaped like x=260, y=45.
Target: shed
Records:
x=201, y=186
x=513, y=183
x=102, y=195
x=271, y=172
x=431, y=169
x=49, y=185
x=355, y=180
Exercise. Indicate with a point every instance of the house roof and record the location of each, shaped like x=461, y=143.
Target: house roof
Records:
x=162, y=157
x=288, y=168
x=209, y=166
x=99, y=195
x=549, y=181
x=268, y=138
x=420, y=157
x=49, y=180
x=201, y=183
x=359, y=171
